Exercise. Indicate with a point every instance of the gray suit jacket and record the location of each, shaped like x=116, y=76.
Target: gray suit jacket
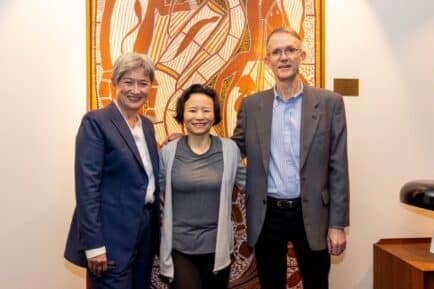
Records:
x=323, y=161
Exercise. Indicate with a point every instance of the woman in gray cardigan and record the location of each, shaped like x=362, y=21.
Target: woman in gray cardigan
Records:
x=197, y=173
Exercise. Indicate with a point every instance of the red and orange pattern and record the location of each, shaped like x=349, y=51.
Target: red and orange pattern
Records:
x=220, y=43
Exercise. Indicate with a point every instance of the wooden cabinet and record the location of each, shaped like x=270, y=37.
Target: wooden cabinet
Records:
x=403, y=264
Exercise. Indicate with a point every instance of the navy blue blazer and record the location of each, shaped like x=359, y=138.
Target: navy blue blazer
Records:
x=110, y=186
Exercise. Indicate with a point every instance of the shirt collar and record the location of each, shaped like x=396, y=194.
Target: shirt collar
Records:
x=296, y=96
x=139, y=120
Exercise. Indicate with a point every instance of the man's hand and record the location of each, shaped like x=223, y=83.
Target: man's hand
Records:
x=97, y=265
x=336, y=241
x=171, y=137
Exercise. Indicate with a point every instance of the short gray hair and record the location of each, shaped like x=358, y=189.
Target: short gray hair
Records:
x=130, y=61
x=284, y=29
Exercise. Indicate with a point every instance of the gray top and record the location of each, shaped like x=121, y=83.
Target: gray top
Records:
x=233, y=173
x=196, y=181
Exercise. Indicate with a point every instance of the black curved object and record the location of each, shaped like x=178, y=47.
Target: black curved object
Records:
x=419, y=194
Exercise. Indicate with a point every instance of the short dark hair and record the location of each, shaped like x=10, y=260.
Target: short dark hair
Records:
x=197, y=88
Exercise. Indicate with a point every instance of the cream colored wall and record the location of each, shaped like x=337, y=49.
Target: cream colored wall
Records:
x=387, y=44
x=43, y=95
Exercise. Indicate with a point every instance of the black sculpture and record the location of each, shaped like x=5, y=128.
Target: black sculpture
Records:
x=419, y=194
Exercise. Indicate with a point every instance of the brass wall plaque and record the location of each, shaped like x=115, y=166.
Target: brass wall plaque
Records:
x=346, y=86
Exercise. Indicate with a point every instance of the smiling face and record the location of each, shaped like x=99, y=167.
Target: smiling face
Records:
x=284, y=56
x=198, y=114
x=132, y=90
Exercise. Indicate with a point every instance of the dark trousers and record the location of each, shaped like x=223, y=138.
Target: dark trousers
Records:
x=137, y=275
x=195, y=272
x=283, y=225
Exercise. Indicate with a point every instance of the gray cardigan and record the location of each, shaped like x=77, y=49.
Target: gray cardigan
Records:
x=233, y=172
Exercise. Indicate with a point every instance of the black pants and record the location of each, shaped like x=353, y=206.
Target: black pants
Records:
x=195, y=272
x=283, y=225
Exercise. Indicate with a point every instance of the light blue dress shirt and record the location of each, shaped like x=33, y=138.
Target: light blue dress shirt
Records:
x=284, y=166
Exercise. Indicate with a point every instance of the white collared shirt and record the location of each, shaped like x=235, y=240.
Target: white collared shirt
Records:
x=139, y=139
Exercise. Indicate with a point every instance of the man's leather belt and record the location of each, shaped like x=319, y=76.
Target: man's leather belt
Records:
x=284, y=203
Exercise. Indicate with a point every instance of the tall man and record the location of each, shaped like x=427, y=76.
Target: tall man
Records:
x=295, y=140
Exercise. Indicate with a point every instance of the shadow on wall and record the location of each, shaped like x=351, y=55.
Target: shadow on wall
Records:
x=4, y=5
x=77, y=271
x=419, y=211
x=365, y=281
x=390, y=13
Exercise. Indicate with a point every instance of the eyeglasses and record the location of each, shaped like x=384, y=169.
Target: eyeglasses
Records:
x=288, y=51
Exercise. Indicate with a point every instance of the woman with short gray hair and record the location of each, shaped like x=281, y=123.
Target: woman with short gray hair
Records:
x=115, y=227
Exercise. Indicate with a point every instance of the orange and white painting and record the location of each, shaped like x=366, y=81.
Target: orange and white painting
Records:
x=220, y=43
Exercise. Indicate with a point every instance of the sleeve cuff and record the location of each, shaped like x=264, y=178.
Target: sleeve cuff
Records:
x=95, y=252
x=337, y=227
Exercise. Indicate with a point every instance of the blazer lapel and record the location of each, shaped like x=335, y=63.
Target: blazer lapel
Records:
x=310, y=118
x=263, y=124
x=123, y=129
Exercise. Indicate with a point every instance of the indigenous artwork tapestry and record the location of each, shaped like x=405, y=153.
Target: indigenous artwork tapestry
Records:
x=220, y=43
